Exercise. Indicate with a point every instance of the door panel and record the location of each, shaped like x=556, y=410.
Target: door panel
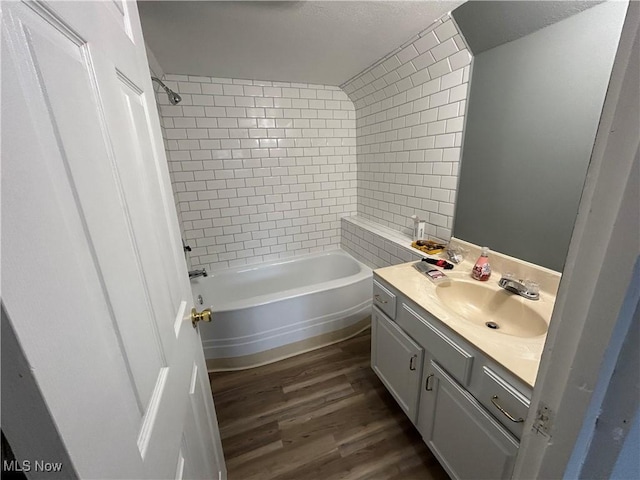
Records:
x=97, y=288
x=485, y=451
x=397, y=360
x=67, y=99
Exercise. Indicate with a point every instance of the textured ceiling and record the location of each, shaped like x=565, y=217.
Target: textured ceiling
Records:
x=322, y=42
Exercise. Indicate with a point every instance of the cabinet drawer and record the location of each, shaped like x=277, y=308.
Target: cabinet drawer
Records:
x=451, y=356
x=506, y=403
x=384, y=299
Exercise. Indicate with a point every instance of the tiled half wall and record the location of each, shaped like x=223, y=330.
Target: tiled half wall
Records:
x=260, y=170
x=374, y=245
x=410, y=109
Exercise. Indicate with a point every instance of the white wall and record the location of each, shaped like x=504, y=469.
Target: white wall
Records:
x=410, y=109
x=261, y=170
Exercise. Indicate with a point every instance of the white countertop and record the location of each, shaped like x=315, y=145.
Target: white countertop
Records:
x=519, y=355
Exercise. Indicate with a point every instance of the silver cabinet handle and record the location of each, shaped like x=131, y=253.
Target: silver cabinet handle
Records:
x=378, y=299
x=412, y=363
x=427, y=385
x=506, y=414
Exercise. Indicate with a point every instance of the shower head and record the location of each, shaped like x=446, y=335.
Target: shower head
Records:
x=174, y=98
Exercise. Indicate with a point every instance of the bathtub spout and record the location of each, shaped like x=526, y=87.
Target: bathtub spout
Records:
x=197, y=273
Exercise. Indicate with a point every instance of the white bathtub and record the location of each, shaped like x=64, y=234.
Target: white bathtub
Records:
x=266, y=307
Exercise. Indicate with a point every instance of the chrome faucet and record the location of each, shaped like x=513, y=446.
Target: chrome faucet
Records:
x=526, y=288
x=197, y=273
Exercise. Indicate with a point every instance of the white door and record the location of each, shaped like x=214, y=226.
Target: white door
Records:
x=93, y=277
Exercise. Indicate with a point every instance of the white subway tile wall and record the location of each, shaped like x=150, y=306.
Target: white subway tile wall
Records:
x=261, y=170
x=410, y=109
x=374, y=245
x=158, y=93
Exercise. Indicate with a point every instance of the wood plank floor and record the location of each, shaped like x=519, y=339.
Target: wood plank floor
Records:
x=320, y=415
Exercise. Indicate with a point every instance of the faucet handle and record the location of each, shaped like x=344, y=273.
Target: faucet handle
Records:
x=532, y=288
x=509, y=276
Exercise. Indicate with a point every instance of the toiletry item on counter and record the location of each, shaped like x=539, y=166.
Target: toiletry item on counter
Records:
x=419, y=228
x=433, y=274
x=436, y=276
x=428, y=246
x=438, y=262
x=422, y=230
x=482, y=270
x=456, y=253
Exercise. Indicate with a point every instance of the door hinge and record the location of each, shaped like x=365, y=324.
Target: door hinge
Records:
x=543, y=421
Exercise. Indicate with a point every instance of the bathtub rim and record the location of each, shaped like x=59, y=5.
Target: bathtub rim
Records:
x=260, y=300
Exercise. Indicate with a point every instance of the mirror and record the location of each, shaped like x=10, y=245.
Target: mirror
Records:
x=534, y=107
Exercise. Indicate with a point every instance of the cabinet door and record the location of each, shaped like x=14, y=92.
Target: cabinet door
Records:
x=466, y=439
x=397, y=360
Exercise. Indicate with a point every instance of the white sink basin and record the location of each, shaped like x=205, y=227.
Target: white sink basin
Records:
x=491, y=308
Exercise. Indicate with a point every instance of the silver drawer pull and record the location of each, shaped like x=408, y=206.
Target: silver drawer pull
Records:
x=427, y=383
x=378, y=299
x=506, y=414
x=412, y=362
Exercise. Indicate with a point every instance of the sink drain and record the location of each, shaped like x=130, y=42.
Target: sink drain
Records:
x=492, y=325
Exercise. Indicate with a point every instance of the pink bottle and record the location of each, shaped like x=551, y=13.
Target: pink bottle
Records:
x=482, y=270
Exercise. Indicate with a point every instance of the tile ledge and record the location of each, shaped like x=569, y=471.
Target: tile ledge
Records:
x=399, y=239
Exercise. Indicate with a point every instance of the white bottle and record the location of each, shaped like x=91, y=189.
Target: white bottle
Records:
x=416, y=223
x=419, y=228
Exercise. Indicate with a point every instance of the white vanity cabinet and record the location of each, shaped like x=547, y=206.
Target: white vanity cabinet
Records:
x=468, y=409
x=397, y=360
